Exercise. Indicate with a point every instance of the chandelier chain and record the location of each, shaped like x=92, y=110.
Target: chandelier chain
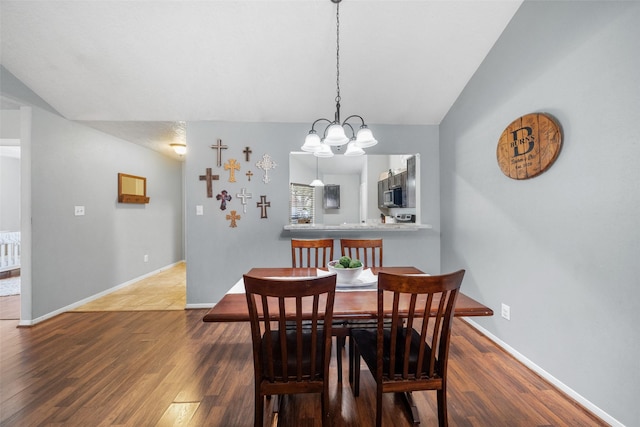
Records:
x=337, y=52
x=335, y=132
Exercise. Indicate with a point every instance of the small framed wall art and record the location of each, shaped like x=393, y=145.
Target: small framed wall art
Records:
x=132, y=189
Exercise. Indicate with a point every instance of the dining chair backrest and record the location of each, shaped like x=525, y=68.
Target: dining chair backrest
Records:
x=311, y=253
x=368, y=251
x=412, y=352
x=290, y=360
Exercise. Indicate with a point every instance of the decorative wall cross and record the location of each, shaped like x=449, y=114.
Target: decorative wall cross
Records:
x=266, y=164
x=244, y=196
x=219, y=147
x=247, y=151
x=263, y=205
x=209, y=177
x=249, y=175
x=224, y=197
x=233, y=216
x=232, y=166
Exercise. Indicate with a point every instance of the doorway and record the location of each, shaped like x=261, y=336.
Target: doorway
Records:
x=10, y=240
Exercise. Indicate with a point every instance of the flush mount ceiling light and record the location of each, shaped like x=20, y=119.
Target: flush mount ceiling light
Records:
x=334, y=134
x=180, y=149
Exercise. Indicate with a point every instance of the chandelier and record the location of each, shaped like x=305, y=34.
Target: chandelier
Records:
x=335, y=132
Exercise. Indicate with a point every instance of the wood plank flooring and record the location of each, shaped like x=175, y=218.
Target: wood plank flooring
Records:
x=10, y=307
x=168, y=368
x=171, y=369
x=165, y=290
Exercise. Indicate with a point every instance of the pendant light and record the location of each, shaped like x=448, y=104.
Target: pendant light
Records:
x=317, y=182
x=334, y=134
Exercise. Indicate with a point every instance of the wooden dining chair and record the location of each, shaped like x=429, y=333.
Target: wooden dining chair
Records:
x=368, y=251
x=285, y=360
x=311, y=253
x=317, y=253
x=401, y=357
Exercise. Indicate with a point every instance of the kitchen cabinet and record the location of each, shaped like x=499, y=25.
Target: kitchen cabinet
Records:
x=406, y=180
x=383, y=185
x=394, y=181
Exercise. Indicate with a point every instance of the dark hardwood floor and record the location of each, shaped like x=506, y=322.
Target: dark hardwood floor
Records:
x=169, y=368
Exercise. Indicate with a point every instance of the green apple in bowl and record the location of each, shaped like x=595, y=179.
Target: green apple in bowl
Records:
x=346, y=268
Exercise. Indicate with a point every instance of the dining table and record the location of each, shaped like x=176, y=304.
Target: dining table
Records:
x=358, y=302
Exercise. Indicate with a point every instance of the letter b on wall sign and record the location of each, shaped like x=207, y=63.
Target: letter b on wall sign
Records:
x=529, y=146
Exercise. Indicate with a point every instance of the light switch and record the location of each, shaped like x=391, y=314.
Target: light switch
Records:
x=79, y=210
x=199, y=210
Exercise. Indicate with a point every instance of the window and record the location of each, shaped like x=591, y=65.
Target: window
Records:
x=302, y=203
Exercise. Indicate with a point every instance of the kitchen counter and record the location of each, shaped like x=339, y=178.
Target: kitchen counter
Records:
x=406, y=226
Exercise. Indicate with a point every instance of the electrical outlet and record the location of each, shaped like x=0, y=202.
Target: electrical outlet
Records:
x=146, y=258
x=79, y=210
x=199, y=210
x=506, y=311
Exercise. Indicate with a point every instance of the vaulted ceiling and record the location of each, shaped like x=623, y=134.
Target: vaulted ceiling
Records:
x=140, y=69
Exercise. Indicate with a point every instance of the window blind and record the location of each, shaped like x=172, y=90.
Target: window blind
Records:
x=302, y=203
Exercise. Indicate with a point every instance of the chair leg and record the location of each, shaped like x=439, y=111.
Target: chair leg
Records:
x=442, y=407
x=378, y=405
x=259, y=410
x=351, y=362
x=325, y=406
x=355, y=363
x=339, y=346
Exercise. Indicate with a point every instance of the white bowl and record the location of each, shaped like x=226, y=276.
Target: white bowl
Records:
x=345, y=275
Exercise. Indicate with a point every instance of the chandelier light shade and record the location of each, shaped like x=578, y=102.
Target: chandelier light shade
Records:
x=365, y=137
x=180, y=149
x=324, y=151
x=312, y=142
x=335, y=133
x=353, y=149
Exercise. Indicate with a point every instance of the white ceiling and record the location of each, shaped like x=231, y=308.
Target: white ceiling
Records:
x=136, y=69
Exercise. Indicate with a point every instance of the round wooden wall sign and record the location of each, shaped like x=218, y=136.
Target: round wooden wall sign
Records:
x=529, y=146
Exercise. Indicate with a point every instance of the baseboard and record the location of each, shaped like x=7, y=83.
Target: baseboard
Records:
x=94, y=297
x=198, y=306
x=9, y=272
x=547, y=376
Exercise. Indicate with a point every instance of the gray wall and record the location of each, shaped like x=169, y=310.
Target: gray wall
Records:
x=9, y=193
x=75, y=257
x=218, y=255
x=562, y=248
